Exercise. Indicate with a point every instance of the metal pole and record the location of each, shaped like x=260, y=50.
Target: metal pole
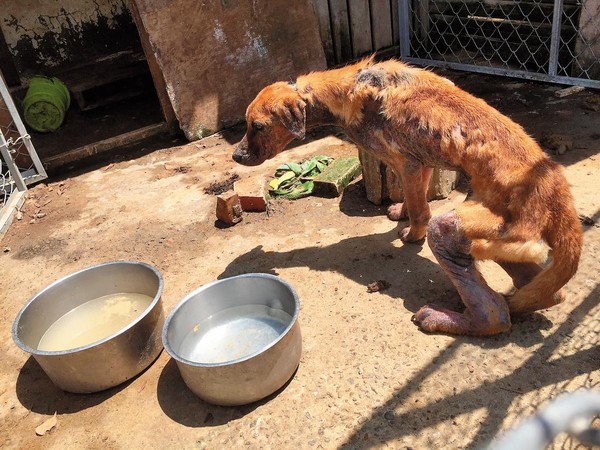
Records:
x=14, y=113
x=555, y=37
x=594, y=84
x=14, y=170
x=572, y=412
x=404, y=27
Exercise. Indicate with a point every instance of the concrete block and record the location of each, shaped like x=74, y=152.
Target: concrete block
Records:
x=383, y=185
x=339, y=174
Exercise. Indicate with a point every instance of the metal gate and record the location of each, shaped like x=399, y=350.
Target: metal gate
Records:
x=556, y=41
x=19, y=163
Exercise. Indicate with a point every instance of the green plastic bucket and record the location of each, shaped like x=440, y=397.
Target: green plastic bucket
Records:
x=45, y=103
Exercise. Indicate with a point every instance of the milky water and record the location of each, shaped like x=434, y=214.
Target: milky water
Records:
x=93, y=321
x=234, y=333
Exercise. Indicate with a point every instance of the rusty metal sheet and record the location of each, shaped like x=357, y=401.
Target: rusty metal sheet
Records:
x=215, y=56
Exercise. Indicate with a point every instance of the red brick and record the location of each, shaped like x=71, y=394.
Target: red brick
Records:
x=229, y=208
x=253, y=193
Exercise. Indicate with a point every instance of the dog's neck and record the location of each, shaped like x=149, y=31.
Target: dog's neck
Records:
x=328, y=95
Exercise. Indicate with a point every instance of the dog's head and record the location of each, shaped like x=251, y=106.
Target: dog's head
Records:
x=275, y=117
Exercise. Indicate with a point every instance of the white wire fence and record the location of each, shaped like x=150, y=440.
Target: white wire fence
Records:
x=19, y=163
x=556, y=41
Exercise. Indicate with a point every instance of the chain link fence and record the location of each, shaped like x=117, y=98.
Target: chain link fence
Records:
x=19, y=163
x=557, y=41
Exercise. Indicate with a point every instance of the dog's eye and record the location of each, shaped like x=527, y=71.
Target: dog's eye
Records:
x=258, y=126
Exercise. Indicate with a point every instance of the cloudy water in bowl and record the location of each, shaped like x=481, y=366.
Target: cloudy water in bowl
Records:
x=93, y=321
x=234, y=333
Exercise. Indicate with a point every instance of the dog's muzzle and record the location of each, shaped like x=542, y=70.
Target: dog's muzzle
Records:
x=243, y=156
x=240, y=154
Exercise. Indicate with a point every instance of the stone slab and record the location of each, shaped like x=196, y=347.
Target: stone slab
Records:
x=334, y=179
x=383, y=185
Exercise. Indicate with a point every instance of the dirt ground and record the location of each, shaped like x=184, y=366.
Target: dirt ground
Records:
x=368, y=378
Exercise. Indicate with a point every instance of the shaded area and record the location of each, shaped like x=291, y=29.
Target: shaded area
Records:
x=373, y=258
x=393, y=426
x=37, y=393
x=354, y=203
x=181, y=405
x=95, y=50
x=120, y=154
x=86, y=127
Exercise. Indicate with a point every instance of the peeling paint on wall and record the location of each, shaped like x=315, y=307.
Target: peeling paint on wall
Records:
x=47, y=36
x=219, y=34
x=253, y=49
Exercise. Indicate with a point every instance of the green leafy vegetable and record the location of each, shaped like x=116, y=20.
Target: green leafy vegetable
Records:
x=293, y=181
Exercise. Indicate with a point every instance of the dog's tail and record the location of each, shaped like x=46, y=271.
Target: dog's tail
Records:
x=565, y=238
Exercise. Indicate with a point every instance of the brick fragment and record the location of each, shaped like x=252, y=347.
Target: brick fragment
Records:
x=229, y=208
x=253, y=193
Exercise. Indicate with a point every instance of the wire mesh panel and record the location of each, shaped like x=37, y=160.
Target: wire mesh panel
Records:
x=553, y=41
x=19, y=163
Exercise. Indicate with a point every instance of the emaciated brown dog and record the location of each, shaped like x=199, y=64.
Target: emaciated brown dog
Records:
x=520, y=213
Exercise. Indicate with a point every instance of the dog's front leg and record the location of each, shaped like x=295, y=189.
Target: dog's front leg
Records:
x=413, y=173
x=398, y=211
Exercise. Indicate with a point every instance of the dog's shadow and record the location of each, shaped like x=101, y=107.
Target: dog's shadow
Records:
x=413, y=279
x=363, y=259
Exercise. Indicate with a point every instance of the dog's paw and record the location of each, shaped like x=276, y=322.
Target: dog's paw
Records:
x=435, y=319
x=409, y=234
x=428, y=317
x=397, y=211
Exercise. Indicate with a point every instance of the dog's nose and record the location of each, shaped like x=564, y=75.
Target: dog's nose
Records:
x=236, y=157
x=240, y=154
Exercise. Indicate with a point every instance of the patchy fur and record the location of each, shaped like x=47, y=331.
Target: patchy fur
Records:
x=411, y=119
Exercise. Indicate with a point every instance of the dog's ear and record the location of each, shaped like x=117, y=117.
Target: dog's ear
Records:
x=293, y=117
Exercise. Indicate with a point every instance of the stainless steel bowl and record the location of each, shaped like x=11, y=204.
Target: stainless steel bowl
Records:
x=112, y=360
x=236, y=340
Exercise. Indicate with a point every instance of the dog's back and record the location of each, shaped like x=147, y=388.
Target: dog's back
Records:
x=441, y=125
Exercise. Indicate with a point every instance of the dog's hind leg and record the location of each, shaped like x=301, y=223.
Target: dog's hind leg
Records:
x=522, y=273
x=399, y=211
x=486, y=311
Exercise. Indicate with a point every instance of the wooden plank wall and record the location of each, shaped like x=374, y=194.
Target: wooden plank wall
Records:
x=351, y=29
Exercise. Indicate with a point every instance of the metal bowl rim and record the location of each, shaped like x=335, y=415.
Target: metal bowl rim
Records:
x=178, y=358
x=150, y=307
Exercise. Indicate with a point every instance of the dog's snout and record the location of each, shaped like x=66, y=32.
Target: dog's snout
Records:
x=237, y=156
x=240, y=154
x=243, y=155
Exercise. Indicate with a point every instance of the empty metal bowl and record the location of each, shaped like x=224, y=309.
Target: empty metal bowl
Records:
x=236, y=340
x=111, y=360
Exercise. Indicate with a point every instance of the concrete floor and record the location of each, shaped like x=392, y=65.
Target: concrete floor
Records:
x=368, y=378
